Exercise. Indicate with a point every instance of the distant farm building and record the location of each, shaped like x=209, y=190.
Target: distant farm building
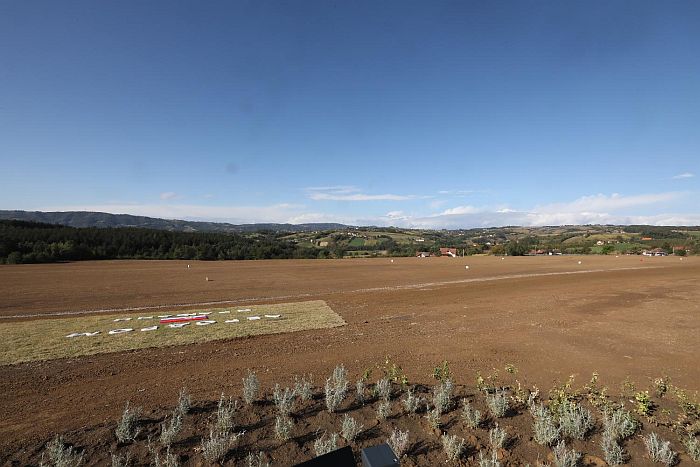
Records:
x=448, y=252
x=422, y=254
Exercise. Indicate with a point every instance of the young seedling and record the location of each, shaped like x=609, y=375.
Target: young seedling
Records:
x=324, y=444
x=546, y=432
x=284, y=400
x=470, y=416
x=497, y=403
x=350, y=428
x=398, y=441
x=336, y=388
x=169, y=431
x=61, y=455
x=659, y=450
x=411, y=402
x=452, y=446
x=251, y=386
x=497, y=437
x=564, y=457
x=127, y=428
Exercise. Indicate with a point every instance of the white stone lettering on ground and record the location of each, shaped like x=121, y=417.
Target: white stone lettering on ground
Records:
x=120, y=331
x=253, y=318
x=116, y=320
x=235, y=320
x=145, y=317
x=164, y=316
x=78, y=334
x=205, y=323
x=177, y=325
x=224, y=312
x=273, y=316
x=244, y=310
x=149, y=328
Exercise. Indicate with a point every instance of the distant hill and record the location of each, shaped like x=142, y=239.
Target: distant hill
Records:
x=107, y=220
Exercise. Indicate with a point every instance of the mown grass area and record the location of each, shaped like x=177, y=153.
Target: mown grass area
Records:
x=356, y=242
x=45, y=339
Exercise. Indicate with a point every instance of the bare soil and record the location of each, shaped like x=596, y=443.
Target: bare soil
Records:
x=549, y=316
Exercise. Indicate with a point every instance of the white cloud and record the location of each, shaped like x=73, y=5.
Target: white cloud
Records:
x=594, y=209
x=683, y=175
x=351, y=193
x=168, y=195
x=611, y=202
x=460, y=210
x=457, y=193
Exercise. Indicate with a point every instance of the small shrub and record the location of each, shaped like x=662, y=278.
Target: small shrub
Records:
x=119, y=461
x=497, y=437
x=127, y=428
x=470, y=415
x=257, y=460
x=575, y=421
x=170, y=459
x=382, y=390
x=620, y=424
x=643, y=401
x=442, y=395
x=485, y=461
x=545, y=430
x=284, y=400
x=411, y=402
x=283, y=427
x=660, y=386
x=497, y=403
x=169, y=431
x=324, y=445
x=398, y=441
x=383, y=409
x=215, y=447
x=336, y=388
x=360, y=391
x=61, y=455
x=303, y=387
x=659, y=450
x=433, y=417
x=452, y=446
x=564, y=457
x=350, y=428
x=224, y=414
x=612, y=452
x=184, y=402
x=692, y=446
x=251, y=386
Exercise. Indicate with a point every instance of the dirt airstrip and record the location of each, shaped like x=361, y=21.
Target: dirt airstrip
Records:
x=549, y=316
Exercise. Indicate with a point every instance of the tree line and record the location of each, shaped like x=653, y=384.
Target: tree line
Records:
x=33, y=242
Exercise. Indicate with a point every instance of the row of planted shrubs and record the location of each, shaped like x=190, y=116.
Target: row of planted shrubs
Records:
x=560, y=418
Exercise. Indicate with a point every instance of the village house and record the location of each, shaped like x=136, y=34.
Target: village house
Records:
x=448, y=252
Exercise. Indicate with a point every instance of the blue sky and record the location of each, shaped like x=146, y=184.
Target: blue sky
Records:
x=421, y=114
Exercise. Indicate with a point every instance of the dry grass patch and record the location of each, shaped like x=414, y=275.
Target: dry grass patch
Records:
x=45, y=339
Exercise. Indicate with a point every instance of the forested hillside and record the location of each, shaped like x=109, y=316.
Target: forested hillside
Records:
x=31, y=242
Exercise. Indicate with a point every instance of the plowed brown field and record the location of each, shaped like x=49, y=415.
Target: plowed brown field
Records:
x=549, y=316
